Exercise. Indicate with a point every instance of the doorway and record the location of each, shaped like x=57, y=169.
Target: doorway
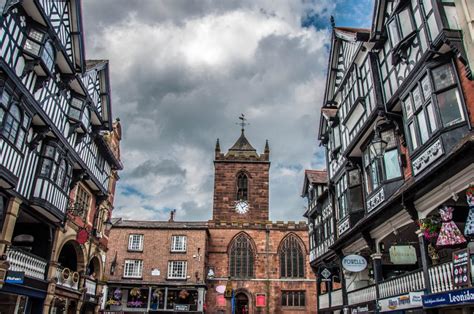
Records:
x=242, y=303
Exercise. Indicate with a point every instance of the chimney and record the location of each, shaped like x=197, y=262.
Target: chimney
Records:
x=172, y=213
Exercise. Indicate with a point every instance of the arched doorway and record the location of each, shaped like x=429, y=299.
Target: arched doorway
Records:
x=241, y=303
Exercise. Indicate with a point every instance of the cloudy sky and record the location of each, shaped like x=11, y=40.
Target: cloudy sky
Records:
x=182, y=71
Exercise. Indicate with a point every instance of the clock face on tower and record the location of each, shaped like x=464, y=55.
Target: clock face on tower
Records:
x=241, y=207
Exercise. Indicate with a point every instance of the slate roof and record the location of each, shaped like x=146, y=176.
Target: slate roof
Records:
x=155, y=224
x=242, y=144
x=317, y=176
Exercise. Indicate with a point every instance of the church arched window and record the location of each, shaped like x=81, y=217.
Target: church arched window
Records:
x=242, y=187
x=291, y=258
x=241, y=257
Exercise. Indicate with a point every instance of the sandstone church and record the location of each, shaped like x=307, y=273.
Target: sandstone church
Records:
x=265, y=263
x=237, y=262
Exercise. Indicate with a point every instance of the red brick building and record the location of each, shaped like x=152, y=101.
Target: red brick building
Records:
x=156, y=266
x=265, y=263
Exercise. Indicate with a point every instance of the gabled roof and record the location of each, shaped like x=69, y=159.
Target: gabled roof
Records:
x=313, y=177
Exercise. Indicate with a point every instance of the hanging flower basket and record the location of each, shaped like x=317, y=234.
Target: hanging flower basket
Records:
x=157, y=293
x=183, y=294
x=117, y=294
x=135, y=292
x=430, y=227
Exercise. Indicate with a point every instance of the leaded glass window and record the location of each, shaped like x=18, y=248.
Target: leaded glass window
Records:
x=242, y=187
x=292, y=257
x=241, y=257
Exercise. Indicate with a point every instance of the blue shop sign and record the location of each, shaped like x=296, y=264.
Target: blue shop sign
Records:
x=16, y=277
x=449, y=298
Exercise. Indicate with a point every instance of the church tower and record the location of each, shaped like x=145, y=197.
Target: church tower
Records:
x=241, y=182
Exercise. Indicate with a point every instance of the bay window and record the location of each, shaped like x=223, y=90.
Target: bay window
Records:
x=38, y=45
x=401, y=25
x=79, y=111
x=341, y=195
x=433, y=103
x=13, y=122
x=54, y=167
x=378, y=170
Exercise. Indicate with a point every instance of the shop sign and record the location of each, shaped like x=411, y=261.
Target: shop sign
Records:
x=461, y=271
x=360, y=309
x=403, y=254
x=260, y=300
x=220, y=300
x=326, y=274
x=449, y=298
x=220, y=289
x=354, y=263
x=82, y=236
x=406, y=301
x=181, y=307
x=17, y=277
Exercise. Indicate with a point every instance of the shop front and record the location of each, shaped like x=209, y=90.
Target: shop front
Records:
x=155, y=299
x=21, y=294
x=456, y=301
x=402, y=304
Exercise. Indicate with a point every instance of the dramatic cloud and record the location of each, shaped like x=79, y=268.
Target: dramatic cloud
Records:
x=181, y=74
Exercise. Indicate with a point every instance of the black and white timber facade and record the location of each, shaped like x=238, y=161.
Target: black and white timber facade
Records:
x=396, y=125
x=59, y=158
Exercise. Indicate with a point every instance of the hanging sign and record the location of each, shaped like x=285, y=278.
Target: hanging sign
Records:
x=260, y=300
x=16, y=277
x=326, y=275
x=354, y=263
x=220, y=289
x=220, y=300
x=461, y=271
x=82, y=236
x=403, y=254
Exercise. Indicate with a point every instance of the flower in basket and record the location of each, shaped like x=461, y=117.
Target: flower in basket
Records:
x=135, y=292
x=117, y=294
x=430, y=227
x=112, y=302
x=183, y=294
x=137, y=303
x=157, y=293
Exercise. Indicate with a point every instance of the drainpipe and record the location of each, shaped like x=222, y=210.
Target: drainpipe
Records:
x=377, y=261
x=267, y=268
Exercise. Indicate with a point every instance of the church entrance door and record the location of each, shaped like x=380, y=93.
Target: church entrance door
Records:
x=242, y=304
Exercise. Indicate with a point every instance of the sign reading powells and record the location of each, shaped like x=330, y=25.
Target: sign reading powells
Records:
x=354, y=263
x=449, y=298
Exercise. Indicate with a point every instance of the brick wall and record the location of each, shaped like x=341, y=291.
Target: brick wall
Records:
x=225, y=189
x=219, y=241
x=468, y=89
x=156, y=253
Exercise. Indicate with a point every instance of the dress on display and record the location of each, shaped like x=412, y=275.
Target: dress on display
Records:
x=469, y=228
x=449, y=235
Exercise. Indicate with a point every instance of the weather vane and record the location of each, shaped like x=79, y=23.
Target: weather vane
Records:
x=243, y=121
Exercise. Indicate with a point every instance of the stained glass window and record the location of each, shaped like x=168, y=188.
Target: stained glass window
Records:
x=292, y=257
x=241, y=259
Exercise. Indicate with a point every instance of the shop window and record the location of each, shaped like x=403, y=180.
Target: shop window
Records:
x=184, y=298
x=293, y=298
x=137, y=298
x=178, y=243
x=157, y=299
x=433, y=103
x=135, y=242
x=291, y=258
x=133, y=269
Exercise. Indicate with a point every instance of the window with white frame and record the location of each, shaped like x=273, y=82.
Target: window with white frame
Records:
x=177, y=269
x=178, y=243
x=133, y=268
x=135, y=242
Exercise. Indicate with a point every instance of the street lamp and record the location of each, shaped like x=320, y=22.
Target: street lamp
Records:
x=378, y=145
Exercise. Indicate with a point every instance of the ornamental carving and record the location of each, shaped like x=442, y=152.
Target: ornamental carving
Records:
x=343, y=226
x=431, y=154
x=375, y=200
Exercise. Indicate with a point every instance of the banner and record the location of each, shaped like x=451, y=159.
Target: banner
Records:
x=449, y=298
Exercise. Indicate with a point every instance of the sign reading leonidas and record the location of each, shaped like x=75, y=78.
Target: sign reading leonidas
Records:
x=354, y=263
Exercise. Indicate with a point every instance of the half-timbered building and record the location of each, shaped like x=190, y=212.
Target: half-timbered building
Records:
x=59, y=157
x=396, y=124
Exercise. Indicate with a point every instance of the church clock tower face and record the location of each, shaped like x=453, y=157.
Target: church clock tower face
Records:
x=241, y=182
